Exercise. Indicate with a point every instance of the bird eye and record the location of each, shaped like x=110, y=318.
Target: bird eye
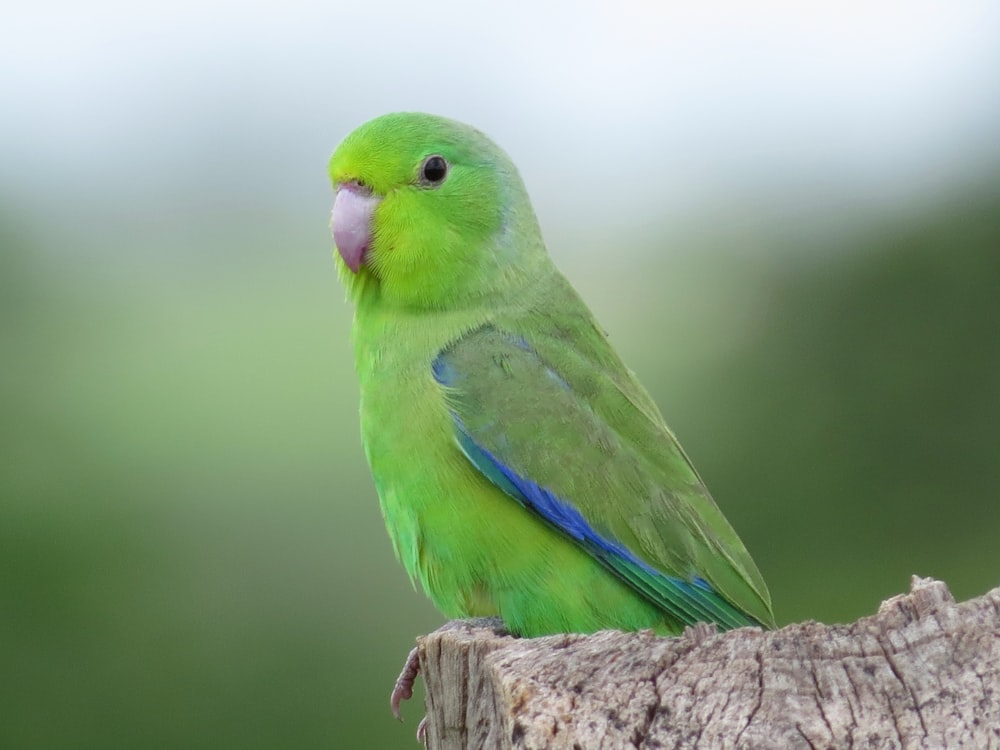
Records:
x=434, y=170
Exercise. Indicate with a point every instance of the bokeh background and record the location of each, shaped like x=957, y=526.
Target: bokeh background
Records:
x=787, y=217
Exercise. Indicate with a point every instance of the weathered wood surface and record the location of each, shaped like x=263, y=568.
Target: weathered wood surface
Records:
x=922, y=673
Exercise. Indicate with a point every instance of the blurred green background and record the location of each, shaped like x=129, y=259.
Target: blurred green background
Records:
x=788, y=220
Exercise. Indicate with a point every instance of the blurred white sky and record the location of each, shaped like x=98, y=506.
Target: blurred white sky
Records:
x=612, y=110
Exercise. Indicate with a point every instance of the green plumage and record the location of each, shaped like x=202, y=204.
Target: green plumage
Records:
x=487, y=388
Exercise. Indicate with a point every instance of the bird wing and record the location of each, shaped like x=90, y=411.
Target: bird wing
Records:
x=569, y=434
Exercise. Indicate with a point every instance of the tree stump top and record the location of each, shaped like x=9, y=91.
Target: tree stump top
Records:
x=924, y=672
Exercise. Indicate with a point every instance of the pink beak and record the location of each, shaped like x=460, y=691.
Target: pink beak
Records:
x=353, y=210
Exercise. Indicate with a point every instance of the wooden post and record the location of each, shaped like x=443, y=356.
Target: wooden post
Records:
x=922, y=673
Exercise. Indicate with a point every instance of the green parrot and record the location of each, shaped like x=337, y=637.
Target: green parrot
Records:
x=522, y=470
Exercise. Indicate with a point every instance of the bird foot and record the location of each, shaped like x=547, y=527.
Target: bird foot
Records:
x=403, y=689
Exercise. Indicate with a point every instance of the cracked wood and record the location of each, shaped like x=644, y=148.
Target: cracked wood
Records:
x=922, y=673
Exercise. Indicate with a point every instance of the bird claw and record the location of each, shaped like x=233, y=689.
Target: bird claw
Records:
x=403, y=689
x=422, y=731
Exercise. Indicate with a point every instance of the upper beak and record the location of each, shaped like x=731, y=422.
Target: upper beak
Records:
x=353, y=211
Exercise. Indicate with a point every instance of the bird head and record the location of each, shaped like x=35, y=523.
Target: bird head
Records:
x=429, y=212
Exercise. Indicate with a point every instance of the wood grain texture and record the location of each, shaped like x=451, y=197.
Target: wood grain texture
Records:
x=924, y=672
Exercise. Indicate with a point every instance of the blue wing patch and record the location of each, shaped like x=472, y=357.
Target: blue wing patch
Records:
x=690, y=601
